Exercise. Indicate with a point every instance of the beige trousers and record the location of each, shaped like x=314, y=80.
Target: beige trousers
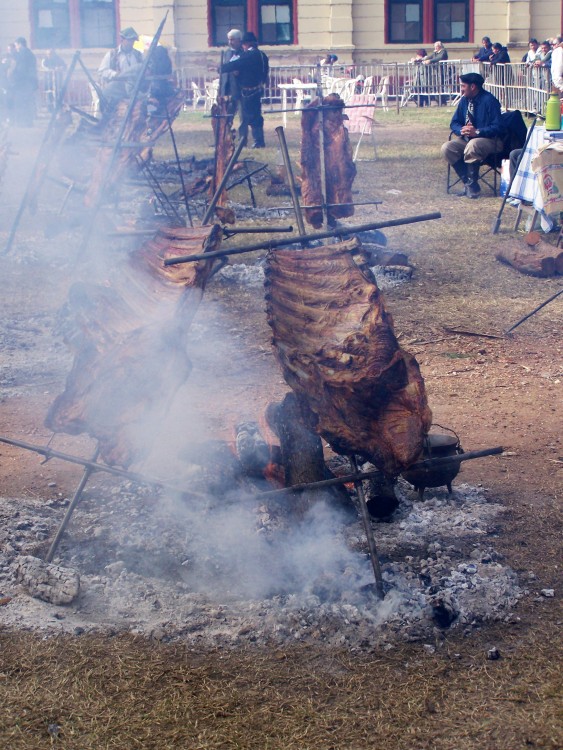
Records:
x=476, y=149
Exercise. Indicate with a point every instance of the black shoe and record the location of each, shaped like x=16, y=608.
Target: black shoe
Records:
x=258, y=145
x=472, y=190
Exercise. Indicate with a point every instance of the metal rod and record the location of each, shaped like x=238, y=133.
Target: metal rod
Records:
x=247, y=176
x=89, y=231
x=133, y=476
x=159, y=191
x=529, y=315
x=369, y=531
x=292, y=240
x=42, y=150
x=177, y=155
x=69, y=511
x=327, y=205
x=292, y=189
x=255, y=230
x=228, y=170
x=248, y=181
x=95, y=85
x=429, y=463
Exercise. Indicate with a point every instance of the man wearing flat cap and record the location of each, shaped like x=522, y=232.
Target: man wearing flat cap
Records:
x=120, y=67
x=478, y=131
x=252, y=67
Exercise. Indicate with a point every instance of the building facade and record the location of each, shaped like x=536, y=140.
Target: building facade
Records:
x=290, y=31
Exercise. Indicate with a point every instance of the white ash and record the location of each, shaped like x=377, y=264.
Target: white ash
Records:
x=242, y=274
x=241, y=571
x=52, y=583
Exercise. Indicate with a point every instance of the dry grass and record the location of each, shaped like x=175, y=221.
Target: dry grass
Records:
x=128, y=693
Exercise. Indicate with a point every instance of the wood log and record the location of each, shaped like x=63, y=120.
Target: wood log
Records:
x=538, y=259
x=301, y=454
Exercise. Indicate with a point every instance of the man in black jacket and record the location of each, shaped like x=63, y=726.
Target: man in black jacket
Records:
x=252, y=68
x=478, y=131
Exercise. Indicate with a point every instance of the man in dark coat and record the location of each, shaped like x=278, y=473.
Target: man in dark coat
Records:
x=500, y=54
x=23, y=84
x=477, y=129
x=486, y=50
x=252, y=67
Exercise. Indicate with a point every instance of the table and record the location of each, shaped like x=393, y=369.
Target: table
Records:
x=525, y=186
x=301, y=87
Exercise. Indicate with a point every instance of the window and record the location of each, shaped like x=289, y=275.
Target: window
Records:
x=405, y=21
x=271, y=20
x=62, y=24
x=227, y=15
x=97, y=23
x=275, y=22
x=50, y=22
x=451, y=21
x=426, y=21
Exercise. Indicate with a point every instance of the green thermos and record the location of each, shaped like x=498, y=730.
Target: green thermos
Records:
x=553, y=112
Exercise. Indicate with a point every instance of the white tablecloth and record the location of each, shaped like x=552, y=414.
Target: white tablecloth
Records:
x=525, y=186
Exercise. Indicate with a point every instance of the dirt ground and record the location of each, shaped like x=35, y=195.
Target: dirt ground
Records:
x=126, y=692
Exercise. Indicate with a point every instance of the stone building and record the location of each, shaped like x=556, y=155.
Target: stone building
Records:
x=291, y=31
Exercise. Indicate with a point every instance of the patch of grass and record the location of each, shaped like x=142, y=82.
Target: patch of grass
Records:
x=91, y=692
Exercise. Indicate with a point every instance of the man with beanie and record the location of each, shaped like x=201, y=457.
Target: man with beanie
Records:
x=478, y=132
x=252, y=67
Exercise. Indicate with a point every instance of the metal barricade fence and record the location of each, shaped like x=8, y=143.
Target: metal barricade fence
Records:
x=516, y=85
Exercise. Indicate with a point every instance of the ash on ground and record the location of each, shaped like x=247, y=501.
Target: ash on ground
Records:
x=243, y=571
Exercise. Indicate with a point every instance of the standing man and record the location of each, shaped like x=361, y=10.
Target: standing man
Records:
x=252, y=68
x=23, y=84
x=120, y=67
x=478, y=132
x=229, y=85
x=440, y=54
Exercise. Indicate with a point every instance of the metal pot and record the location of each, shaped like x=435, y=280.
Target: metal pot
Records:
x=436, y=445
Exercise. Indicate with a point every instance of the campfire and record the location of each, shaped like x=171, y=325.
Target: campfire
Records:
x=257, y=538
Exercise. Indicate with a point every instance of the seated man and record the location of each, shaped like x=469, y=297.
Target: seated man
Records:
x=478, y=132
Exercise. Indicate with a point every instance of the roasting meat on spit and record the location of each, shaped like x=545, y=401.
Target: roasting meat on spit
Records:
x=340, y=169
x=128, y=338
x=335, y=342
x=141, y=129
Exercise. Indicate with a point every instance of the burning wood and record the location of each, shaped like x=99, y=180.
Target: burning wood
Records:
x=129, y=344
x=340, y=170
x=339, y=354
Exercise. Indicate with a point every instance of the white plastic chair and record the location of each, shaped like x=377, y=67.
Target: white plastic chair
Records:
x=197, y=95
x=300, y=96
x=211, y=94
x=383, y=93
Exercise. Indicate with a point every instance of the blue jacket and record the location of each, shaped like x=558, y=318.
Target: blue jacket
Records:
x=486, y=116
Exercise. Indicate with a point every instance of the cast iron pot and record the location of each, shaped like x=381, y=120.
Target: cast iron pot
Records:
x=436, y=445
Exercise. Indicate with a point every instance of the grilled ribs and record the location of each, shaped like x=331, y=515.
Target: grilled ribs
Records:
x=335, y=342
x=129, y=344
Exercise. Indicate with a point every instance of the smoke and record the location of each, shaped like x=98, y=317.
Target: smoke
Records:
x=230, y=554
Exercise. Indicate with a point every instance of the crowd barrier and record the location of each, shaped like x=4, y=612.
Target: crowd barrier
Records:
x=516, y=85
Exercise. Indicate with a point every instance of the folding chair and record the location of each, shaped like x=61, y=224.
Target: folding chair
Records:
x=361, y=119
x=490, y=168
